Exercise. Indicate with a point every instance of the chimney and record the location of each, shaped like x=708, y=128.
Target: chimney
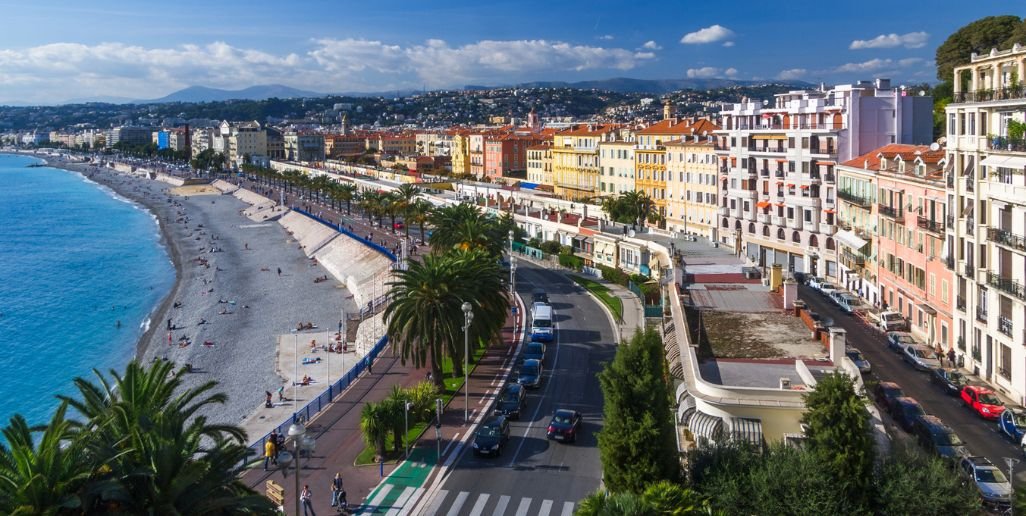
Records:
x=837, y=344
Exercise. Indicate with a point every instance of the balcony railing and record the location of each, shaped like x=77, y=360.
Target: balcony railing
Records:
x=969, y=271
x=977, y=355
x=829, y=178
x=764, y=173
x=970, y=226
x=932, y=226
x=1000, y=143
x=852, y=259
x=724, y=169
x=1009, y=93
x=951, y=221
x=951, y=180
x=887, y=211
x=1005, y=325
x=981, y=314
x=949, y=262
x=960, y=303
x=1007, y=285
x=854, y=199
x=1006, y=238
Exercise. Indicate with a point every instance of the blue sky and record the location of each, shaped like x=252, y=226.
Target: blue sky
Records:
x=51, y=51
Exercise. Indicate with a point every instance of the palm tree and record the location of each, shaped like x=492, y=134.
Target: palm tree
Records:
x=391, y=204
x=419, y=213
x=347, y=192
x=44, y=475
x=464, y=226
x=166, y=457
x=374, y=427
x=406, y=194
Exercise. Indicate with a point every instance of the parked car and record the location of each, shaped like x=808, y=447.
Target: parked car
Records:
x=906, y=411
x=398, y=225
x=827, y=288
x=534, y=351
x=530, y=374
x=920, y=357
x=845, y=301
x=564, y=425
x=814, y=281
x=982, y=401
x=1012, y=423
x=511, y=401
x=892, y=321
x=886, y=393
x=539, y=296
x=939, y=438
x=950, y=380
x=491, y=436
x=860, y=361
x=994, y=487
x=897, y=340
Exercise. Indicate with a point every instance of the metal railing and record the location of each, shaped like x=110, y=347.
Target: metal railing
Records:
x=887, y=211
x=932, y=226
x=981, y=314
x=1005, y=325
x=1006, y=238
x=854, y=199
x=950, y=221
x=1002, y=143
x=1007, y=285
x=969, y=271
x=960, y=303
x=1009, y=93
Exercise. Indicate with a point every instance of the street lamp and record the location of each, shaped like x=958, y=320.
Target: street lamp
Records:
x=295, y=375
x=1011, y=461
x=406, y=418
x=512, y=267
x=468, y=315
x=297, y=431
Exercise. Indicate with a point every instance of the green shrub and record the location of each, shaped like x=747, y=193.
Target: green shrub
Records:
x=534, y=242
x=614, y=275
x=550, y=247
x=571, y=261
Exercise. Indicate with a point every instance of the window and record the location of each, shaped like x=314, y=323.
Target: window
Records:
x=1005, y=368
x=951, y=123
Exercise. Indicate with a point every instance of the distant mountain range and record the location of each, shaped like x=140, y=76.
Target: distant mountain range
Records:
x=653, y=86
x=260, y=92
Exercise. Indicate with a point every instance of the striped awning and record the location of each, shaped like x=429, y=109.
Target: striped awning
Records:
x=747, y=430
x=686, y=408
x=704, y=425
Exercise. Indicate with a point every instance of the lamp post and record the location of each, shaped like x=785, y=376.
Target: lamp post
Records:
x=297, y=431
x=406, y=420
x=512, y=268
x=295, y=375
x=468, y=315
x=1011, y=461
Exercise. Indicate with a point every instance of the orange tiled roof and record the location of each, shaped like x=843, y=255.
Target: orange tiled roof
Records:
x=672, y=126
x=871, y=159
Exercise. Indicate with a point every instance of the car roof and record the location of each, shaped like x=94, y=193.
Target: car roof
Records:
x=494, y=421
x=935, y=423
x=888, y=385
x=979, y=389
x=564, y=412
x=532, y=361
x=906, y=400
x=535, y=343
x=514, y=387
x=978, y=461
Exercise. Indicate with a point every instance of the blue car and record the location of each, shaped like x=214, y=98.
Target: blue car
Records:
x=1013, y=424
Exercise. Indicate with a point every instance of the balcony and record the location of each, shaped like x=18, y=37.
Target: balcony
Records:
x=795, y=224
x=764, y=173
x=1001, y=143
x=1007, y=285
x=779, y=221
x=1009, y=93
x=930, y=225
x=827, y=229
x=829, y=178
x=887, y=211
x=970, y=226
x=1006, y=238
x=723, y=211
x=779, y=174
x=852, y=260
x=854, y=199
x=951, y=222
x=969, y=271
x=960, y=303
x=981, y=314
x=1005, y=325
x=764, y=218
x=977, y=354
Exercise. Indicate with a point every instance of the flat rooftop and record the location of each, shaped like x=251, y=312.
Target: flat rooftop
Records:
x=761, y=374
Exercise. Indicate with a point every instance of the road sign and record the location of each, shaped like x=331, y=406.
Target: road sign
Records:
x=276, y=492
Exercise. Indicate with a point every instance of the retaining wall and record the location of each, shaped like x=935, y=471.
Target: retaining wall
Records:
x=310, y=234
x=363, y=270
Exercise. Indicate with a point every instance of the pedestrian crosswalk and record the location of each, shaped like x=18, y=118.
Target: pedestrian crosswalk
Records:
x=464, y=503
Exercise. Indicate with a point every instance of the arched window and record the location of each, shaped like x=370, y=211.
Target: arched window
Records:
x=780, y=234
x=830, y=244
x=765, y=231
x=796, y=237
x=751, y=227
x=726, y=223
x=737, y=225
x=813, y=241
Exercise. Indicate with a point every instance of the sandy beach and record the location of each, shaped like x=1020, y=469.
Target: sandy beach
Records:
x=229, y=302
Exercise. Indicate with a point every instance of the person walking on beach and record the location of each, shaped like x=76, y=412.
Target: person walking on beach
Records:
x=169, y=326
x=307, y=502
x=279, y=272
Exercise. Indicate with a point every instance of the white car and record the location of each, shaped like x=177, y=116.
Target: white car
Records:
x=994, y=487
x=814, y=282
x=892, y=321
x=845, y=301
x=828, y=289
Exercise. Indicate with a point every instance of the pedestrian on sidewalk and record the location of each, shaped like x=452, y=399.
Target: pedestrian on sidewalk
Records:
x=336, y=489
x=277, y=449
x=951, y=356
x=268, y=452
x=307, y=503
x=370, y=364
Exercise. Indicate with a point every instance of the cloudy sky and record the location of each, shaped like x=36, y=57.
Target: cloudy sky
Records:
x=51, y=51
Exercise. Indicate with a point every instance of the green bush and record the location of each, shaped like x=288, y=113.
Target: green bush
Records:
x=566, y=250
x=550, y=247
x=571, y=261
x=534, y=242
x=614, y=275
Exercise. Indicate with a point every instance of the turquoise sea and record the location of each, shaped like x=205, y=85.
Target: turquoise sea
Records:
x=74, y=260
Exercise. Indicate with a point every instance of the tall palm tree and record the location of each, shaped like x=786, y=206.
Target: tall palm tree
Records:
x=420, y=213
x=374, y=427
x=464, y=226
x=347, y=192
x=391, y=204
x=406, y=194
x=168, y=459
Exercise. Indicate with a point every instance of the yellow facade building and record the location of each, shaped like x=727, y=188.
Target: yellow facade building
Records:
x=460, y=154
x=575, y=160
x=691, y=188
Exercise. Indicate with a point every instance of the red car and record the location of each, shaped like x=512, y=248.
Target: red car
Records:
x=982, y=401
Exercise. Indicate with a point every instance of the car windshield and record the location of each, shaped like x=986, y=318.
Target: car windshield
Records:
x=529, y=370
x=947, y=439
x=1019, y=419
x=511, y=395
x=855, y=356
x=990, y=476
x=912, y=411
x=542, y=323
x=916, y=352
x=989, y=399
x=562, y=419
x=956, y=377
x=893, y=392
x=488, y=431
x=534, y=348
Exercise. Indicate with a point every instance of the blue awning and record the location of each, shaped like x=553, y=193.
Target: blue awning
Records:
x=529, y=186
x=703, y=425
x=748, y=430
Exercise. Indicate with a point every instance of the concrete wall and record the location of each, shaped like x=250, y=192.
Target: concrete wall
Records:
x=310, y=234
x=363, y=270
x=224, y=186
x=171, y=180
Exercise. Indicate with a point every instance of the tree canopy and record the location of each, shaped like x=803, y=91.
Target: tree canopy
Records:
x=980, y=36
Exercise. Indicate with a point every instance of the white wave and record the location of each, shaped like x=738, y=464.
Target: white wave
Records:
x=145, y=325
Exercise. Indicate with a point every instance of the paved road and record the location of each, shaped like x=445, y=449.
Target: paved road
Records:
x=536, y=476
x=980, y=436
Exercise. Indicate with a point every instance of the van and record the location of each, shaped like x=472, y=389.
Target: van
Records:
x=891, y=320
x=541, y=322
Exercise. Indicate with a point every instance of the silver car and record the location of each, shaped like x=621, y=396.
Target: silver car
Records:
x=920, y=357
x=994, y=487
x=860, y=361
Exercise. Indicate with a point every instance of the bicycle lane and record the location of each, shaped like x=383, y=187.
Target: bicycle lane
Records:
x=402, y=489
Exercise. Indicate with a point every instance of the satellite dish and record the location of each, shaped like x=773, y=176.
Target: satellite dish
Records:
x=935, y=146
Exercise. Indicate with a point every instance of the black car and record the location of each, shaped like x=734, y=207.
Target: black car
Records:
x=950, y=380
x=885, y=394
x=491, y=436
x=564, y=425
x=512, y=401
x=533, y=351
x=939, y=438
x=906, y=411
x=530, y=374
x=539, y=296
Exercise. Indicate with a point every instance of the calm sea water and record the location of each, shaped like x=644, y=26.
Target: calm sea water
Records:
x=74, y=260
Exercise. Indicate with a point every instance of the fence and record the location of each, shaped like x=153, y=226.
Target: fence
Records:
x=328, y=395
x=654, y=310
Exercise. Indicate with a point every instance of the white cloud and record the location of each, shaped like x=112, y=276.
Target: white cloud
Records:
x=909, y=40
x=48, y=73
x=731, y=72
x=706, y=72
x=710, y=34
x=791, y=74
x=728, y=44
x=866, y=66
x=909, y=61
x=607, y=37
x=651, y=45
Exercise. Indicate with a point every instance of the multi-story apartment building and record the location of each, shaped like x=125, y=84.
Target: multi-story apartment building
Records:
x=129, y=135
x=460, y=153
x=246, y=141
x=304, y=146
x=777, y=165
x=616, y=166
x=987, y=201
x=507, y=154
x=650, y=153
x=344, y=147
x=854, y=211
x=433, y=143
x=275, y=143
x=202, y=139
x=691, y=186
x=906, y=242
x=575, y=160
x=399, y=144
x=539, y=164
x=476, y=154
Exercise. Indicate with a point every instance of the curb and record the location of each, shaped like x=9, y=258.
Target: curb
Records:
x=609, y=313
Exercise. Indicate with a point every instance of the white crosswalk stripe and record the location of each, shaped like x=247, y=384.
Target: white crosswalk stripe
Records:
x=374, y=502
x=483, y=504
x=401, y=501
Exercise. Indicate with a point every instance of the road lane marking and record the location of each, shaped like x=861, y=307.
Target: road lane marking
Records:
x=436, y=504
x=457, y=504
x=398, y=504
x=568, y=509
x=500, y=508
x=546, y=506
x=454, y=440
x=377, y=499
x=479, y=505
x=545, y=392
x=525, y=503
x=406, y=509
